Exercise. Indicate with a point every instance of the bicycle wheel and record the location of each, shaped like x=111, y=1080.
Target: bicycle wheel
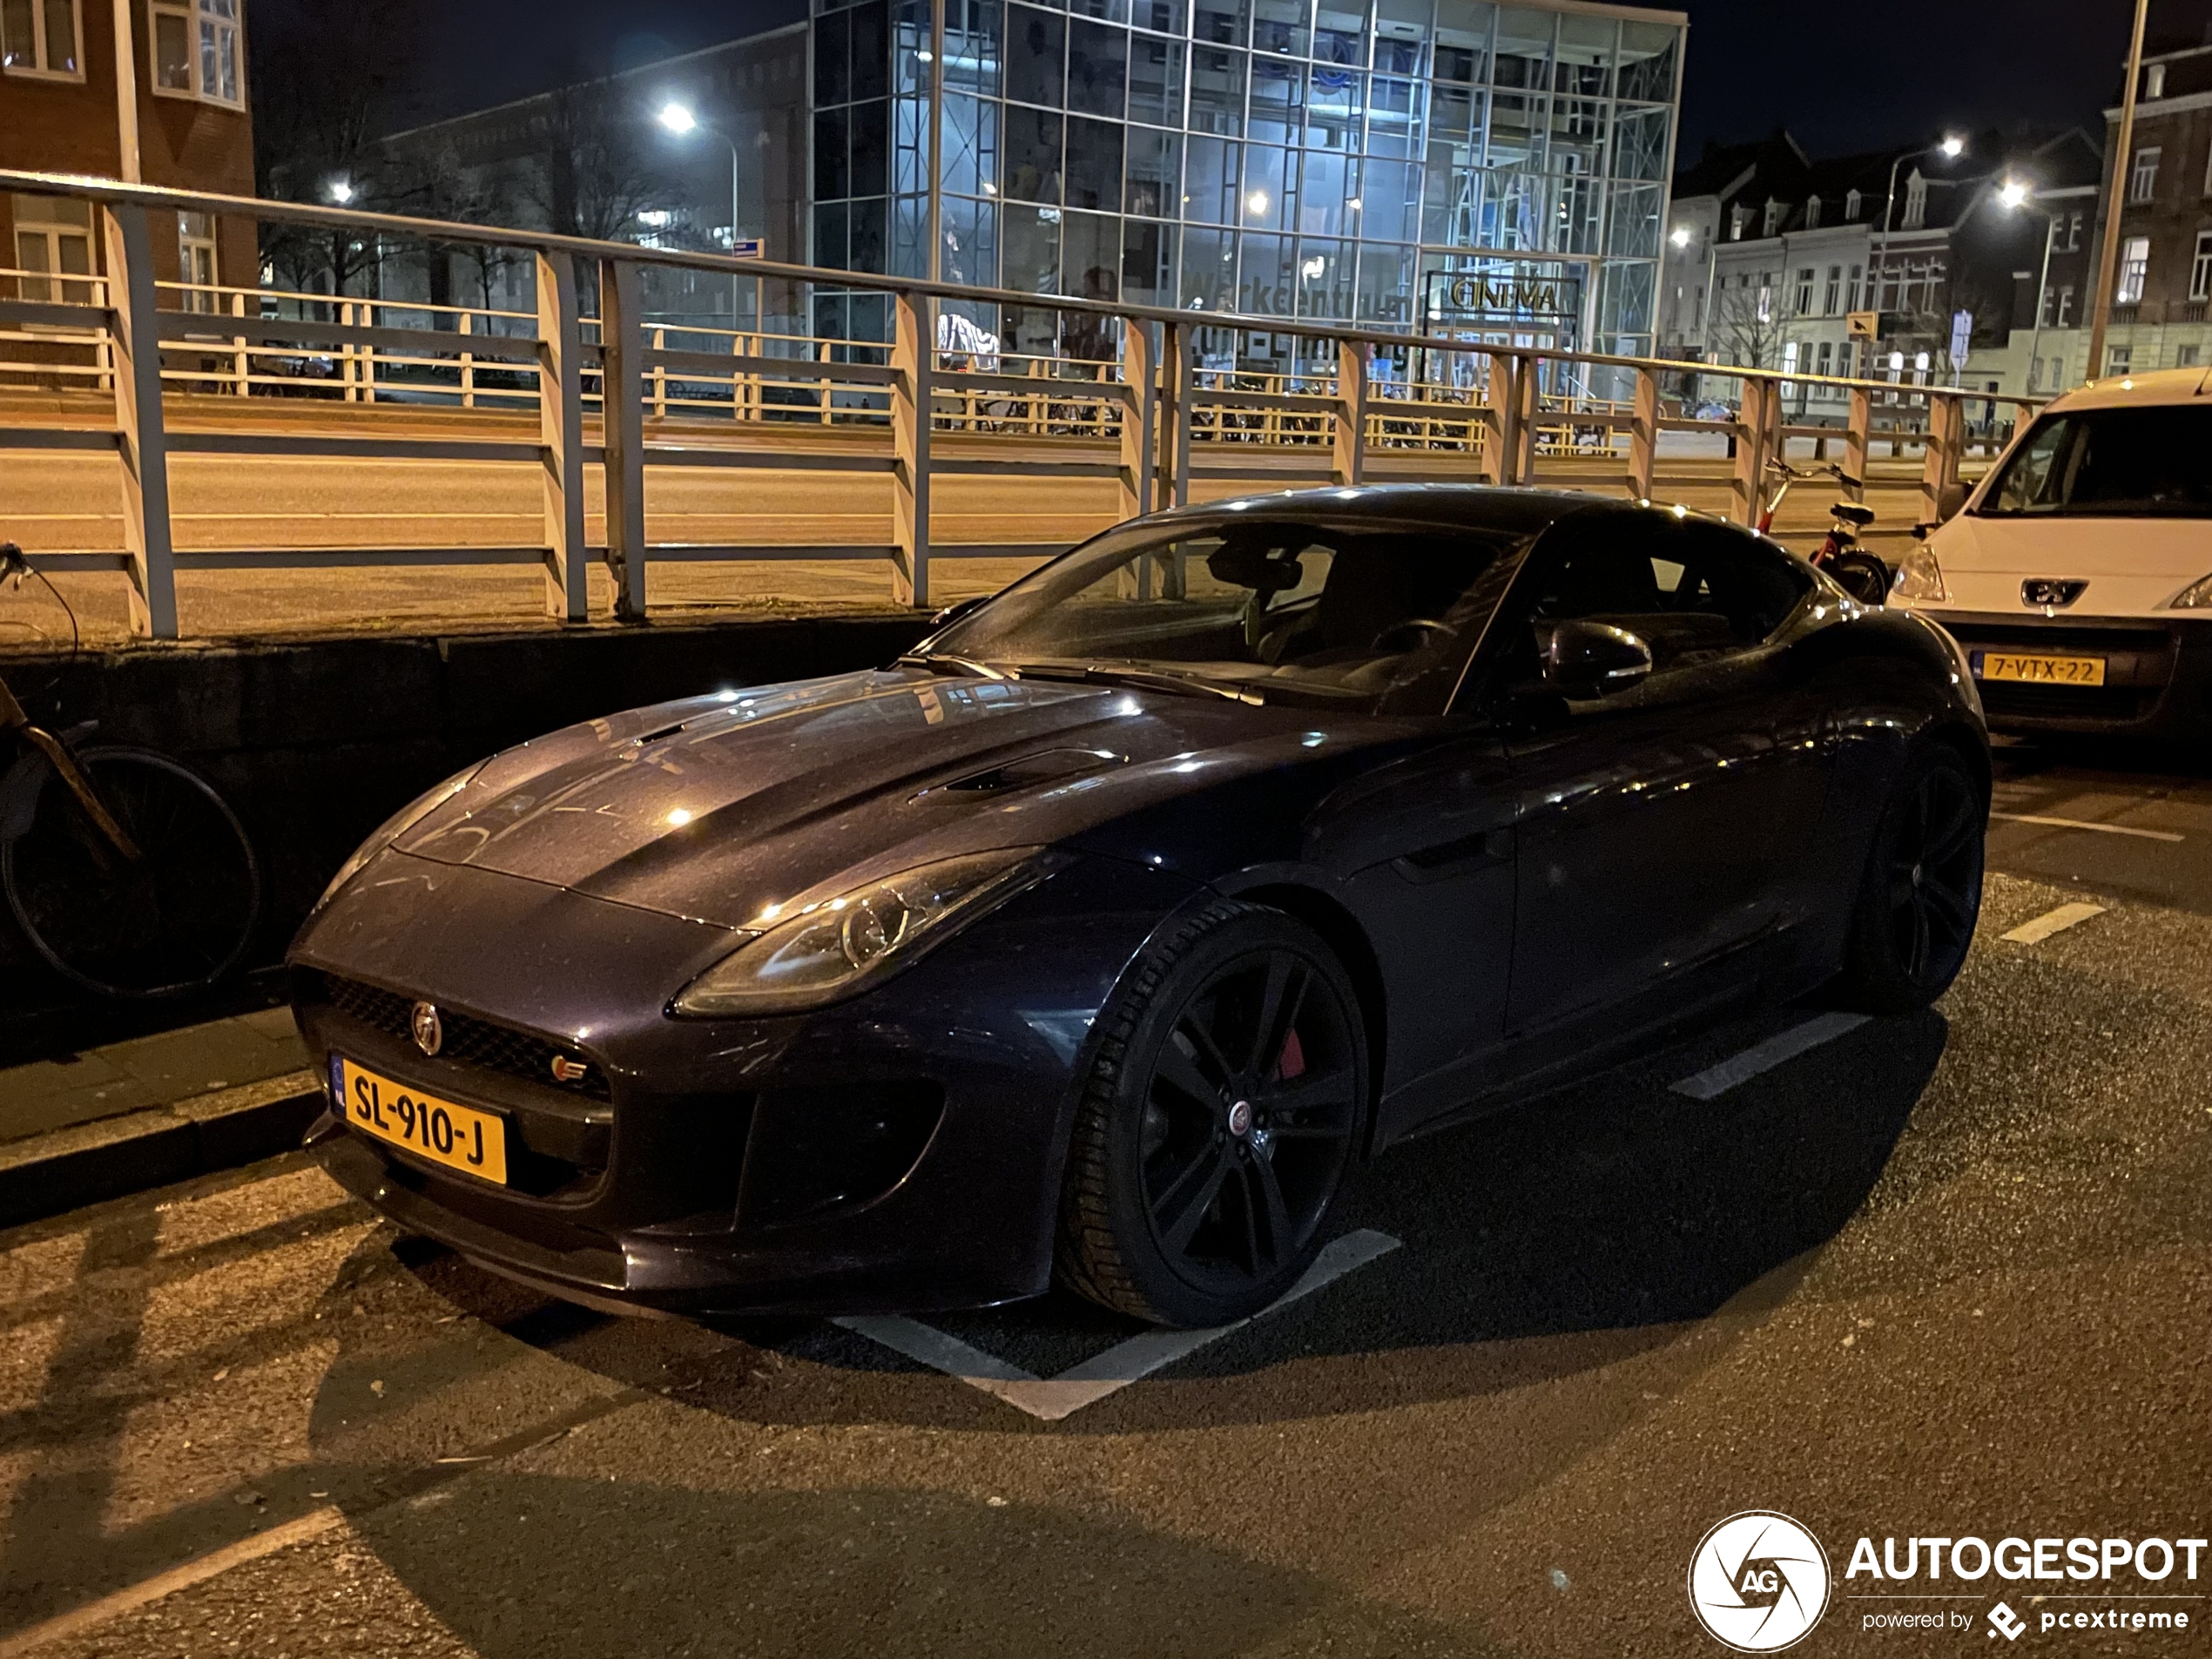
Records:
x=175, y=921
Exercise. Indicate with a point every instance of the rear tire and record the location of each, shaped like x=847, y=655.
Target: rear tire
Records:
x=1217, y=1123
x=175, y=922
x=1921, y=896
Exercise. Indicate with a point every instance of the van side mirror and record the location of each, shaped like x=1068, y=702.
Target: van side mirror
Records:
x=1583, y=660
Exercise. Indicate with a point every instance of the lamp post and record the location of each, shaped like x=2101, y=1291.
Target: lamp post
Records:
x=2108, y=241
x=683, y=121
x=2014, y=196
x=1951, y=148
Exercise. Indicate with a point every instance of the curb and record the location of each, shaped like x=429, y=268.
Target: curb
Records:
x=49, y=1175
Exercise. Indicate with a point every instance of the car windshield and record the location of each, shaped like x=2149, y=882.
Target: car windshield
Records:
x=1299, y=610
x=2111, y=463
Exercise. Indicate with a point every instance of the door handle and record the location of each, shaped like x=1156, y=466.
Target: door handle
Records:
x=1458, y=856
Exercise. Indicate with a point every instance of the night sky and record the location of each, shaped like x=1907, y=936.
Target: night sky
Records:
x=1842, y=75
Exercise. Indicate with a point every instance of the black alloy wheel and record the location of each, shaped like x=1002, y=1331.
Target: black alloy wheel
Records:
x=1922, y=895
x=1219, y=1119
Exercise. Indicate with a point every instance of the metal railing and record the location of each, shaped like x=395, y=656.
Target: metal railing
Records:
x=1509, y=414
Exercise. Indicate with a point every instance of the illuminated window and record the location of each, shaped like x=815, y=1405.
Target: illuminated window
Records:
x=2201, y=267
x=196, y=51
x=42, y=37
x=2135, y=271
x=195, y=261
x=53, y=240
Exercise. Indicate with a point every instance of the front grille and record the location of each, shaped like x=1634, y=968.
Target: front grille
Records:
x=2003, y=699
x=467, y=1040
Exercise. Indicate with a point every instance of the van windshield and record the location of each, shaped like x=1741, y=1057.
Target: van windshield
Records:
x=2111, y=463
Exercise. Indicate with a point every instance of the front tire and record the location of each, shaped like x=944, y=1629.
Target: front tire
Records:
x=1217, y=1123
x=1921, y=896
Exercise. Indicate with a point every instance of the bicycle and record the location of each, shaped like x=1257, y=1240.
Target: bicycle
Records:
x=128, y=873
x=1863, y=576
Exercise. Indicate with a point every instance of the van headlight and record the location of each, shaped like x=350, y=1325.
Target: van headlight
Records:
x=397, y=825
x=1920, y=577
x=2196, y=597
x=834, y=947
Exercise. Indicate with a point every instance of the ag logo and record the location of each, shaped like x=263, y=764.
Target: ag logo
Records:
x=1759, y=1582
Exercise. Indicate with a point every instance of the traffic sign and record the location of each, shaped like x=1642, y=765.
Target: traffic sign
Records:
x=749, y=248
x=1864, y=325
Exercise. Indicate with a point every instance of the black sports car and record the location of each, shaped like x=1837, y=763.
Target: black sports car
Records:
x=1103, y=932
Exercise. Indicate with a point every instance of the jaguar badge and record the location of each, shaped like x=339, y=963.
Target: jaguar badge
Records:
x=429, y=1030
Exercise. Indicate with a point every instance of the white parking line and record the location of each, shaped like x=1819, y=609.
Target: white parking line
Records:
x=1053, y=1398
x=1715, y=1080
x=2052, y=922
x=2083, y=824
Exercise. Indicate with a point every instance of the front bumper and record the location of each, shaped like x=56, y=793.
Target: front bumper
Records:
x=901, y=1151
x=2158, y=673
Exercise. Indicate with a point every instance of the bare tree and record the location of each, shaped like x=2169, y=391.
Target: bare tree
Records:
x=325, y=78
x=1747, y=328
x=594, y=171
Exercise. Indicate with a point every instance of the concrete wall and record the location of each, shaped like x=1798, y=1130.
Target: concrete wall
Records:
x=315, y=744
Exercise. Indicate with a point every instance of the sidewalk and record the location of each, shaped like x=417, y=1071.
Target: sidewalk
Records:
x=150, y=1110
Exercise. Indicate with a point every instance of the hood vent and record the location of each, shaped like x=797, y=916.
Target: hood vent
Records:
x=1031, y=771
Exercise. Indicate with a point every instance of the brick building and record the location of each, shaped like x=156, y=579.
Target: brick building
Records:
x=58, y=114
x=2163, y=277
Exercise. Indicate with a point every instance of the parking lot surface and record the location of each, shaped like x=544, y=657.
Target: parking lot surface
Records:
x=1948, y=1274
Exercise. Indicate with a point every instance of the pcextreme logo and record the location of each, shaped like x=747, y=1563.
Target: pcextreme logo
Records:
x=1759, y=1582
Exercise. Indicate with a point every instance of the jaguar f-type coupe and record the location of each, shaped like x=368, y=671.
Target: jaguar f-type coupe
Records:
x=1101, y=933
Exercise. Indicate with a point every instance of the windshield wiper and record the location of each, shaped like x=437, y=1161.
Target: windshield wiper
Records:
x=941, y=660
x=1148, y=679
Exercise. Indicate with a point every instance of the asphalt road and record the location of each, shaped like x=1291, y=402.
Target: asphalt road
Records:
x=1947, y=1275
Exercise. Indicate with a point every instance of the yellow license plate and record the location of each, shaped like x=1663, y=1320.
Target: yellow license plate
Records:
x=2050, y=671
x=460, y=1138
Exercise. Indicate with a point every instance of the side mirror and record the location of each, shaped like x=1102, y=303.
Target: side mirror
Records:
x=1951, y=502
x=1582, y=660
x=951, y=614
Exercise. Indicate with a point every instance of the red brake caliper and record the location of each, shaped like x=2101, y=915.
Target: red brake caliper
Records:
x=1292, y=1064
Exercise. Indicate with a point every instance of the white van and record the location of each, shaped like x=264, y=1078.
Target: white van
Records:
x=2079, y=575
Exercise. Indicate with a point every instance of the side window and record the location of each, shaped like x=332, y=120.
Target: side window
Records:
x=1693, y=592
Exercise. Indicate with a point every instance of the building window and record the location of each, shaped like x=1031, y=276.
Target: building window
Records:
x=1835, y=294
x=1736, y=216
x=2142, y=183
x=2072, y=243
x=53, y=240
x=196, y=50
x=2119, y=359
x=1766, y=297
x=1851, y=294
x=1804, y=291
x=1851, y=200
x=42, y=37
x=2201, y=267
x=2135, y=271
x=1812, y=213
x=2062, y=307
x=195, y=261
x=1916, y=201
x=1775, y=210
x=2185, y=356
x=2154, y=81
x=1827, y=356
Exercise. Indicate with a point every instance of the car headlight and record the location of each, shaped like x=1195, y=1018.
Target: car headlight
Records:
x=834, y=947
x=1920, y=577
x=397, y=825
x=2196, y=597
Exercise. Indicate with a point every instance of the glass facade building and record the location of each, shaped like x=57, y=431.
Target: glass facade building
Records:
x=1483, y=170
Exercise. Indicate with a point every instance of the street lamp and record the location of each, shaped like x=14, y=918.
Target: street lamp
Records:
x=682, y=120
x=1950, y=149
x=339, y=191
x=2014, y=195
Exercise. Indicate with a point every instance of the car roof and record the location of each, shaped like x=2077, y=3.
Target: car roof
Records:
x=2164, y=386
x=1517, y=511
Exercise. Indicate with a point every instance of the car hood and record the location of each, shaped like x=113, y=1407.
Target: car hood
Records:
x=717, y=808
x=2133, y=566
